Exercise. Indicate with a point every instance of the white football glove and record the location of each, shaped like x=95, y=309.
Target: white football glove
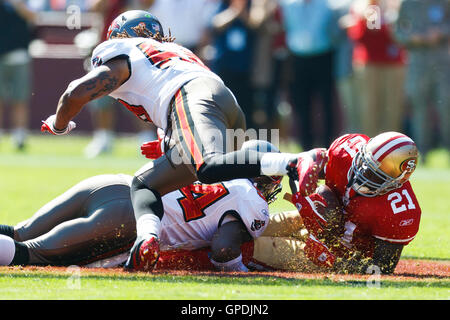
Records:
x=49, y=125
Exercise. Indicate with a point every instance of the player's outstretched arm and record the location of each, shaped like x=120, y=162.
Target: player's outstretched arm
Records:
x=226, y=246
x=386, y=256
x=98, y=83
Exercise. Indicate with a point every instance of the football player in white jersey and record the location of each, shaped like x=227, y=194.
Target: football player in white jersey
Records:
x=93, y=222
x=164, y=83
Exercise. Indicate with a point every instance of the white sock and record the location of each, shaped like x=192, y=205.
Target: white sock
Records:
x=274, y=164
x=148, y=224
x=7, y=250
x=104, y=135
x=230, y=266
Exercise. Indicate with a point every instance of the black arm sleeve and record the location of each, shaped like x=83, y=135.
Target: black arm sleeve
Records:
x=386, y=256
x=227, y=241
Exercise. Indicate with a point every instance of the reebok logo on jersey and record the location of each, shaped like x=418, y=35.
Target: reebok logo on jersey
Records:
x=257, y=224
x=407, y=222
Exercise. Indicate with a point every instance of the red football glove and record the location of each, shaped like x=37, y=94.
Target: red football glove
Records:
x=318, y=253
x=307, y=207
x=153, y=149
x=49, y=125
x=306, y=169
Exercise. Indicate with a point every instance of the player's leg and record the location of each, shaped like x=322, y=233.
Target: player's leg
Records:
x=202, y=112
x=282, y=253
x=103, y=120
x=64, y=207
x=105, y=228
x=284, y=224
x=149, y=184
x=107, y=231
x=69, y=205
x=20, y=96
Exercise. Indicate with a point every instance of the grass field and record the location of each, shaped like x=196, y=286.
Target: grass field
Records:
x=53, y=164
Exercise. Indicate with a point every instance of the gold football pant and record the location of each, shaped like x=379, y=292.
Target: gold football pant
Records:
x=281, y=245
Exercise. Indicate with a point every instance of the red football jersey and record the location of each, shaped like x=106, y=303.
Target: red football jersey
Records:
x=392, y=217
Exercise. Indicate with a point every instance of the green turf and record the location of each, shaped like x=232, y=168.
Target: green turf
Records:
x=48, y=286
x=52, y=164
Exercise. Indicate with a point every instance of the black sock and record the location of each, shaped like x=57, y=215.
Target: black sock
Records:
x=7, y=230
x=145, y=201
x=234, y=165
x=21, y=257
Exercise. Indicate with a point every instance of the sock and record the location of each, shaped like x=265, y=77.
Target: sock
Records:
x=232, y=265
x=7, y=230
x=7, y=250
x=274, y=164
x=22, y=256
x=148, y=224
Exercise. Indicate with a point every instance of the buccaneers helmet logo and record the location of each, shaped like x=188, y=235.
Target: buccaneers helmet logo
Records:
x=257, y=224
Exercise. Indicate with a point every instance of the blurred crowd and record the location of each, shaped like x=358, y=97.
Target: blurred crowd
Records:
x=312, y=68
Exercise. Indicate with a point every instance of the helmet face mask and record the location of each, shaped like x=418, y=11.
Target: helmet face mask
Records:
x=269, y=186
x=388, y=152
x=368, y=180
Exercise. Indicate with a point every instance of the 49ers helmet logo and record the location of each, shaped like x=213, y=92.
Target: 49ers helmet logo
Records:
x=409, y=165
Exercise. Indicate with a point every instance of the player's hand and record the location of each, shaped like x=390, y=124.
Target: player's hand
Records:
x=307, y=206
x=318, y=253
x=49, y=125
x=306, y=169
x=153, y=149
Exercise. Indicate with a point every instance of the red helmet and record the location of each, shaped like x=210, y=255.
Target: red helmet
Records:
x=127, y=22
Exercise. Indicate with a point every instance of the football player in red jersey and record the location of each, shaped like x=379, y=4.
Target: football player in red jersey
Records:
x=381, y=212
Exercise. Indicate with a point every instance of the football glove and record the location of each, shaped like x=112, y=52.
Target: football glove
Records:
x=307, y=206
x=154, y=149
x=318, y=253
x=306, y=169
x=49, y=125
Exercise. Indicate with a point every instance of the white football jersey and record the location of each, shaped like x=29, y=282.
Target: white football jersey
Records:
x=157, y=69
x=193, y=214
